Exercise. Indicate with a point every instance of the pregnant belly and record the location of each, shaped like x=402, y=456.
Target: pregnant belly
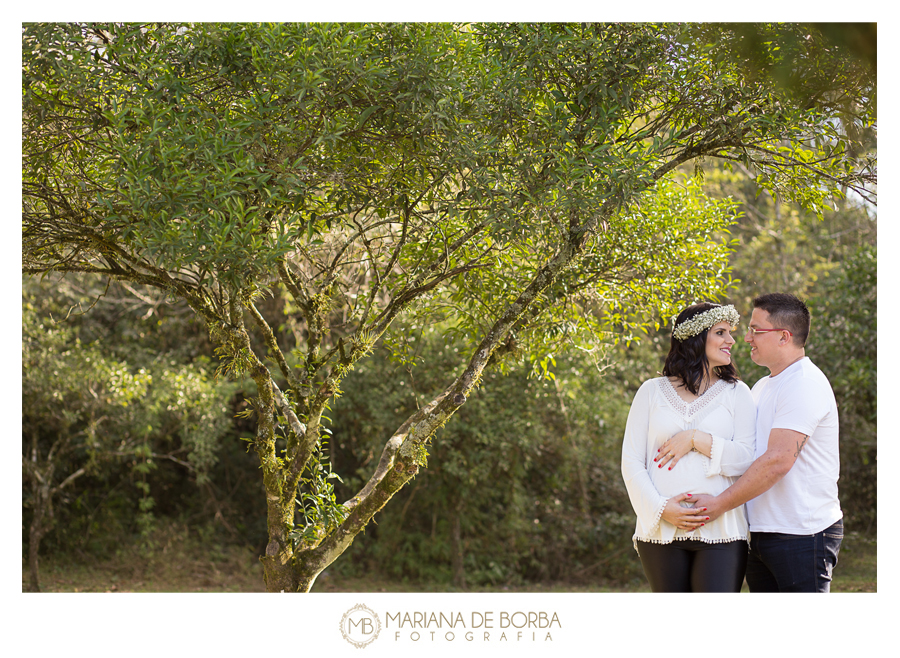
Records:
x=688, y=476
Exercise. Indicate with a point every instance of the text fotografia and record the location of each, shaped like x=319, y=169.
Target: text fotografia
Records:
x=479, y=626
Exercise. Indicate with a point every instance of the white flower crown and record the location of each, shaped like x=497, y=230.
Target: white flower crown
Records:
x=705, y=320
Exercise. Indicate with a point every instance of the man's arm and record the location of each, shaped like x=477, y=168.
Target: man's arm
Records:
x=783, y=449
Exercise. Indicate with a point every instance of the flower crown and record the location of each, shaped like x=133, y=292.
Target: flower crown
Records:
x=705, y=320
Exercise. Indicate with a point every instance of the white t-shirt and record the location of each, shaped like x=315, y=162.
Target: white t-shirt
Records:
x=805, y=501
x=726, y=412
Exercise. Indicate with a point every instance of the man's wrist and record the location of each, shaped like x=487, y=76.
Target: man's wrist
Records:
x=720, y=503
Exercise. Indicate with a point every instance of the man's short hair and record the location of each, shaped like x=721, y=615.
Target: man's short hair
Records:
x=786, y=312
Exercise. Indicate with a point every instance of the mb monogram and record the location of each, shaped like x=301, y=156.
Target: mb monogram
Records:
x=360, y=626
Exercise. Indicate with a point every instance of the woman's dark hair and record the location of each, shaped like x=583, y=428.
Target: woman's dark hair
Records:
x=687, y=358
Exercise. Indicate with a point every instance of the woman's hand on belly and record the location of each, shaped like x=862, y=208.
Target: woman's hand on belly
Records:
x=685, y=518
x=690, y=476
x=675, y=448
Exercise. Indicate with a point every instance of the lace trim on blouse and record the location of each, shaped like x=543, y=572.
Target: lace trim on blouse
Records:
x=705, y=540
x=658, y=520
x=689, y=409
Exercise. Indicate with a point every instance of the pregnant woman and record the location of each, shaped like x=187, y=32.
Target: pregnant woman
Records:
x=691, y=430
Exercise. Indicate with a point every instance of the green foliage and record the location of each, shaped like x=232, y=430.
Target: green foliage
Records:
x=844, y=343
x=528, y=467
x=477, y=151
x=809, y=79
x=218, y=157
x=88, y=415
x=316, y=500
x=638, y=271
x=72, y=391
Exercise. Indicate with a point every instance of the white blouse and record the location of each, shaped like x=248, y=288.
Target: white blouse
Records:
x=725, y=411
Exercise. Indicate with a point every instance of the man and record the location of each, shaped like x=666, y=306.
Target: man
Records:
x=796, y=523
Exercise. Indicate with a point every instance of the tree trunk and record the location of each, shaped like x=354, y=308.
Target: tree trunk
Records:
x=456, y=549
x=278, y=572
x=289, y=571
x=35, y=534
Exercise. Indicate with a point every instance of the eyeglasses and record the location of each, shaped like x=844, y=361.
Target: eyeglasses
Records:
x=765, y=331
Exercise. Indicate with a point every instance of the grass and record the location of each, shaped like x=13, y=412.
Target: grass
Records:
x=857, y=565
x=174, y=562
x=177, y=563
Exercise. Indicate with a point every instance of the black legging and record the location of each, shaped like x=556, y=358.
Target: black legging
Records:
x=688, y=565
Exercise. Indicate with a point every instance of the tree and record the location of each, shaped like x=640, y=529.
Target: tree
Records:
x=513, y=182
x=82, y=409
x=62, y=409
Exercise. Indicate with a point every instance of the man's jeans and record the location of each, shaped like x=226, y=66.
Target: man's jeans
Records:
x=793, y=563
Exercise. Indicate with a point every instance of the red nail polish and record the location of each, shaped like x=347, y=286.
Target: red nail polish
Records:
x=689, y=495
